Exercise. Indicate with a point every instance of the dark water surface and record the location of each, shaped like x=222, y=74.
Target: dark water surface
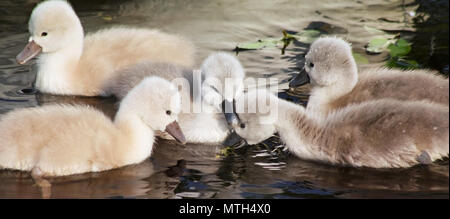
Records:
x=210, y=171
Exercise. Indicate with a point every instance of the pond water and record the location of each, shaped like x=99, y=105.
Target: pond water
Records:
x=210, y=171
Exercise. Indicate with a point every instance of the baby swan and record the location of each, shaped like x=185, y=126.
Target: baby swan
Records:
x=332, y=71
x=58, y=140
x=379, y=134
x=71, y=64
x=223, y=82
x=202, y=118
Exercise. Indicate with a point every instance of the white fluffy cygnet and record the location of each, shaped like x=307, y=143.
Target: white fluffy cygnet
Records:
x=204, y=118
x=71, y=64
x=382, y=133
x=58, y=140
x=336, y=83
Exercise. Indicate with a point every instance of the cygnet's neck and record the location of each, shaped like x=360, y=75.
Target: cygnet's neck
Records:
x=321, y=96
x=136, y=137
x=56, y=69
x=302, y=133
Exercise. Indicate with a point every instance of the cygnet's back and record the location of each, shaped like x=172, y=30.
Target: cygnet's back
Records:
x=129, y=77
x=377, y=83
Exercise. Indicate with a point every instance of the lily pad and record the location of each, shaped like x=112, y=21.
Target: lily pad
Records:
x=306, y=36
x=378, y=45
x=400, y=48
x=360, y=59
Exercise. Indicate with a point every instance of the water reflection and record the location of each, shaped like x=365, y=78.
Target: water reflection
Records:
x=430, y=40
x=209, y=171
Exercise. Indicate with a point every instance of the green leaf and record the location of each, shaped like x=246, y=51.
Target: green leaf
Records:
x=407, y=64
x=413, y=63
x=372, y=30
x=403, y=43
x=263, y=43
x=400, y=48
x=306, y=36
x=360, y=59
x=107, y=18
x=377, y=45
x=402, y=63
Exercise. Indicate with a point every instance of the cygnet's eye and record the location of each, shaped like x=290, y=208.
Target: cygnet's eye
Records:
x=242, y=125
x=168, y=112
x=44, y=34
x=311, y=65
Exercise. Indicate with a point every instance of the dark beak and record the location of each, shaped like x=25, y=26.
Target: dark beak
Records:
x=175, y=131
x=234, y=140
x=301, y=79
x=30, y=51
x=229, y=110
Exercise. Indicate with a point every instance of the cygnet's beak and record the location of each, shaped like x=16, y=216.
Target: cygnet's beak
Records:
x=31, y=50
x=301, y=79
x=233, y=139
x=175, y=131
x=229, y=110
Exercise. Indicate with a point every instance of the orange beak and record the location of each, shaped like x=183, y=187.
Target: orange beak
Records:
x=175, y=131
x=30, y=51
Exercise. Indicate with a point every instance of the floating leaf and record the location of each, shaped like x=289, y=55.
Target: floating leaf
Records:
x=400, y=48
x=377, y=45
x=107, y=18
x=413, y=63
x=398, y=51
x=225, y=152
x=263, y=43
x=360, y=59
x=306, y=36
x=373, y=30
x=403, y=63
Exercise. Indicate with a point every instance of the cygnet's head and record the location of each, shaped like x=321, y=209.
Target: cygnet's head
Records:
x=53, y=25
x=258, y=113
x=329, y=62
x=157, y=103
x=223, y=82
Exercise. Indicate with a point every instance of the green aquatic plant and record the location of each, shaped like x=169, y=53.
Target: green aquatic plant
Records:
x=378, y=45
x=225, y=152
x=397, y=47
x=398, y=53
x=306, y=36
x=400, y=48
x=360, y=59
x=260, y=44
x=373, y=30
